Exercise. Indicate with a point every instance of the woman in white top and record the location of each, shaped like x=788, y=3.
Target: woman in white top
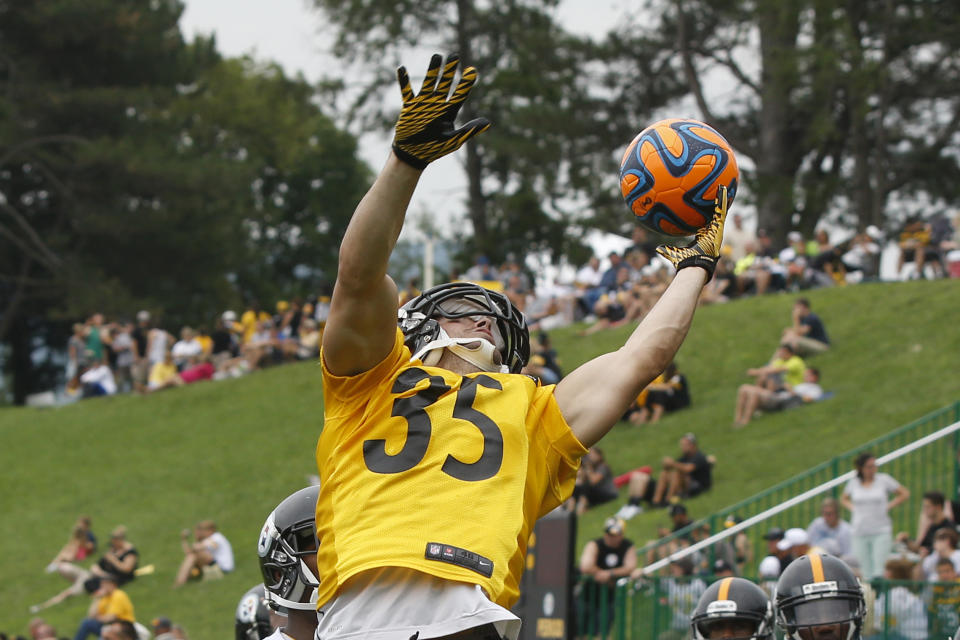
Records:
x=867, y=496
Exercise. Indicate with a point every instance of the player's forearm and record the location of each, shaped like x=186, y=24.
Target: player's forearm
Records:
x=375, y=226
x=656, y=341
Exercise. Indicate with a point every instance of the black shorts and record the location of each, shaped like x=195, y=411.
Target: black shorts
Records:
x=693, y=488
x=594, y=495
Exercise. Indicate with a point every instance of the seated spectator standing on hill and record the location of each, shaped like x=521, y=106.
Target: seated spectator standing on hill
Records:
x=97, y=381
x=687, y=476
x=185, y=348
x=109, y=605
x=806, y=336
x=670, y=395
x=933, y=518
x=163, y=374
x=605, y=560
x=594, y=483
x=641, y=487
x=776, y=560
x=786, y=368
x=119, y=561
x=914, y=241
x=209, y=556
x=829, y=532
x=751, y=397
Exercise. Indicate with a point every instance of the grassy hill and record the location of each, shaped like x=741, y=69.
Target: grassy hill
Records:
x=231, y=450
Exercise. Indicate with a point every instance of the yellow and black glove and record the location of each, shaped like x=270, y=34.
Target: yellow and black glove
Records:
x=704, y=251
x=425, y=129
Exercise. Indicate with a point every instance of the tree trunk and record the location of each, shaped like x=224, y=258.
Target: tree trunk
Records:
x=476, y=201
x=776, y=167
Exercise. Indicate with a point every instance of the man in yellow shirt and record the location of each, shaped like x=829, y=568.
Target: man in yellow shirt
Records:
x=109, y=604
x=437, y=456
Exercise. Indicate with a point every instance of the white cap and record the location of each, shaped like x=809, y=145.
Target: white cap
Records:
x=792, y=538
x=769, y=567
x=143, y=316
x=794, y=236
x=874, y=232
x=229, y=316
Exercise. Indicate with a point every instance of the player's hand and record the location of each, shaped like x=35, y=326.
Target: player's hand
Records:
x=704, y=251
x=425, y=128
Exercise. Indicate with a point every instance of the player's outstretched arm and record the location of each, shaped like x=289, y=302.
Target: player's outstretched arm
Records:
x=361, y=326
x=595, y=396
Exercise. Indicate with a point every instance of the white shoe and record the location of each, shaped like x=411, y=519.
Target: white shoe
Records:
x=52, y=567
x=629, y=511
x=35, y=608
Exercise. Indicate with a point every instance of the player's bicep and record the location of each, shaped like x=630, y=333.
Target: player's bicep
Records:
x=360, y=328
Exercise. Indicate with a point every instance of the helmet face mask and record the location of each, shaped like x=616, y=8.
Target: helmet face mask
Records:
x=287, y=539
x=418, y=320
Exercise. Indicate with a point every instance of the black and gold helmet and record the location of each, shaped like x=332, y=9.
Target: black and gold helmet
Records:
x=819, y=590
x=733, y=604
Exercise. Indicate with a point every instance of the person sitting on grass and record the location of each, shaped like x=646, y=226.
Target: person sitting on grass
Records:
x=110, y=605
x=669, y=395
x=687, y=476
x=751, y=398
x=210, y=554
x=594, y=483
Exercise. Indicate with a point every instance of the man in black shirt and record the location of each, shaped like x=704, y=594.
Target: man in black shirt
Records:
x=932, y=519
x=605, y=560
x=687, y=476
x=807, y=335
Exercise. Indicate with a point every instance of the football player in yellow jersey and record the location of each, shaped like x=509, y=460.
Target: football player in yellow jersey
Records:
x=436, y=455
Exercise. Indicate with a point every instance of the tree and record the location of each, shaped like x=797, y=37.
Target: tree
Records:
x=831, y=102
x=140, y=171
x=548, y=165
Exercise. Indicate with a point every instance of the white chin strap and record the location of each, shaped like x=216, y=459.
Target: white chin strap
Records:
x=479, y=352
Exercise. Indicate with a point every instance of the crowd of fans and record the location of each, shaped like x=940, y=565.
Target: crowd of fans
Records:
x=111, y=614
x=105, y=358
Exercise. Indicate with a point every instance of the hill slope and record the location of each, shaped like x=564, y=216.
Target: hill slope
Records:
x=232, y=450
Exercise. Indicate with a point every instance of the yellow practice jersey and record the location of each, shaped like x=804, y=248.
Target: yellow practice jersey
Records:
x=441, y=473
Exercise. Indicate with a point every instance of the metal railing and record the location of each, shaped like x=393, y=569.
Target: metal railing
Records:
x=933, y=467
x=660, y=608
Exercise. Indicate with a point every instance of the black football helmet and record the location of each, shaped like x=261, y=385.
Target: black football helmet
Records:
x=417, y=319
x=733, y=600
x=288, y=536
x=819, y=590
x=252, y=620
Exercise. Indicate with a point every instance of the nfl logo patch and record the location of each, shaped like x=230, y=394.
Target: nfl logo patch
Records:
x=434, y=549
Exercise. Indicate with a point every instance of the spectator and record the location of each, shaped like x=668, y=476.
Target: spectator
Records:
x=642, y=243
x=196, y=371
x=120, y=630
x=739, y=549
x=807, y=335
x=98, y=381
x=867, y=498
x=94, y=345
x=683, y=592
x=796, y=543
x=109, y=605
x=250, y=321
x=308, y=341
x=605, y=560
x=118, y=562
x=785, y=368
x=825, y=260
x=862, y=257
x=158, y=346
x=124, y=348
x=587, y=279
x=641, y=489
x=551, y=363
x=82, y=543
x=914, y=241
x=224, y=345
x=932, y=518
x=722, y=569
x=944, y=549
x=209, y=556
x=751, y=271
x=162, y=628
x=899, y=611
x=670, y=395
x=751, y=397
x=737, y=237
x=77, y=359
x=685, y=477
x=771, y=565
x=830, y=532
x=141, y=363
x=944, y=608
x=481, y=271
x=594, y=483
x=163, y=374
x=185, y=348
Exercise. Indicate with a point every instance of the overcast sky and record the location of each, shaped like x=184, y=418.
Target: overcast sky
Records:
x=292, y=34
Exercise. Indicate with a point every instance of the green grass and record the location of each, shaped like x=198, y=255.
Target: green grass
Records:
x=233, y=449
